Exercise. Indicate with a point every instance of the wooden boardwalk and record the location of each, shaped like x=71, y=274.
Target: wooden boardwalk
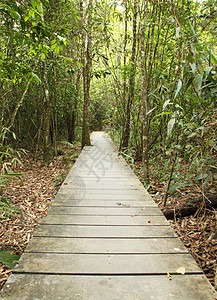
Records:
x=104, y=238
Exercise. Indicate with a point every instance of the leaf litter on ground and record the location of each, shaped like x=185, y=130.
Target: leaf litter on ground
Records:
x=198, y=232
x=31, y=198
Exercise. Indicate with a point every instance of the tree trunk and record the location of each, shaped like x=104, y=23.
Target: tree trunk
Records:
x=86, y=62
x=125, y=75
x=144, y=99
x=75, y=108
x=46, y=115
x=126, y=129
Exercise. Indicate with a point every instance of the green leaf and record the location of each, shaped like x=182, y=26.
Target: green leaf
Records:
x=53, y=46
x=3, y=180
x=34, y=4
x=178, y=185
x=11, y=175
x=57, y=50
x=191, y=124
x=15, y=15
x=170, y=127
x=178, y=87
x=8, y=258
x=36, y=78
x=5, y=201
x=211, y=55
x=161, y=114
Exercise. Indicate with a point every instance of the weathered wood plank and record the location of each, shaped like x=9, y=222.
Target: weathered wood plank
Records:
x=62, y=201
x=105, y=245
x=125, y=193
x=103, y=211
x=103, y=175
x=84, y=194
x=105, y=264
x=76, y=178
x=188, y=287
x=104, y=231
x=93, y=185
x=104, y=220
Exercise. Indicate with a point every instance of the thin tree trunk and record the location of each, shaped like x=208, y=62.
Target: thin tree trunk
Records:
x=86, y=44
x=47, y=108
x=6, y=130
x=75, y=108
x=125, y=75
x=126, y=132
x=144, y=99
x=46, y=114
x=54, y=113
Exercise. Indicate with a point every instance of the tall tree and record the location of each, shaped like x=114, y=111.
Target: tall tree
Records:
x=144, y=94
x=126, y=128
x=87, y=63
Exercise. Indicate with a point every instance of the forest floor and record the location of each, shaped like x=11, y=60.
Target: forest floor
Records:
x=32, y=196
x=39, y=185
x=198, y=232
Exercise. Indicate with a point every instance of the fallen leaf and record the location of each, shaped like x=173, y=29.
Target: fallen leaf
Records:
x=134, y=215
x=118, y=203
x=149, y=221
x=181, y=270
x=144, y=208
x=169, y=276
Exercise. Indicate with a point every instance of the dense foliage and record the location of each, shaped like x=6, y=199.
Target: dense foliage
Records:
x=145, y=71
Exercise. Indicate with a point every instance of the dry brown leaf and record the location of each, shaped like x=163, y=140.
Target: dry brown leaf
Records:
x=181, y=270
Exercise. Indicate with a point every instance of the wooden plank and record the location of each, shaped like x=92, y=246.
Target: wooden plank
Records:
x=104, y=231
x=187, y=287
x=98, y=287
x=105, y=211
x=105, y=245
x=94, y=185
x=62, y=201
x=128, y=193
x=104, y=220
x=102, y=175
x=103, y=167
x=105, y=264
x=77, y=178
x=84, y=194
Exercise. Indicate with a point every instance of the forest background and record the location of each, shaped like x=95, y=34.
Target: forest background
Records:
x=144, y=71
